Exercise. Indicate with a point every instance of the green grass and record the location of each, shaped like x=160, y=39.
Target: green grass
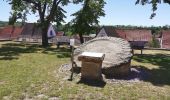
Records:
x=27, y=72
x=157, y=62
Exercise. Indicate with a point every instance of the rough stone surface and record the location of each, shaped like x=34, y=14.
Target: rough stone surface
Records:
x=118, y=54
x=90, y=70
x=91, y=65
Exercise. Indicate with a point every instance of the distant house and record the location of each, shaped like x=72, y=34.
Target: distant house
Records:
x=6, y=33
x=85, y=37
x=66, y=39
x=106, y=31
x=10, y=32
x=60, y=33
x=166, y=39
x=16, y=32
x=137, y=37
x=1, y=28
x=31, y=33
x=31, y=30
x=127, y=34
x=89, y=37
x=135, y=34
x=102, y=33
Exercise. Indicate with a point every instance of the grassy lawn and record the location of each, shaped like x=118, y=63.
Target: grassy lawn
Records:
x=32, y=72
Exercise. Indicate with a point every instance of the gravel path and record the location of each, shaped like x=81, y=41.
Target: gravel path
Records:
x=135, y=75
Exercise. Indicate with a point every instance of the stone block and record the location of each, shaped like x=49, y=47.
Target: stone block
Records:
x=91, y=65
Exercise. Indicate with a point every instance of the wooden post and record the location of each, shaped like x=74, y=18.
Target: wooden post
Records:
x=132, y=51
x=24, y=42
x=72, y=64
x=72, y=58
x=58, y=45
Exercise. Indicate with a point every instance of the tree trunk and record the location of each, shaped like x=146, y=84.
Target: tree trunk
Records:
x=44, y=35
x=81, y=38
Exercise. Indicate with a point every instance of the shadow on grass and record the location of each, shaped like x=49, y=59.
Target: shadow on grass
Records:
x=136, y=73
x=11, y=51
x=64, y=55
x=158, y=76
x=96, y=83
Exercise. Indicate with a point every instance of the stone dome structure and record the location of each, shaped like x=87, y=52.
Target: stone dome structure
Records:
x=118, y=54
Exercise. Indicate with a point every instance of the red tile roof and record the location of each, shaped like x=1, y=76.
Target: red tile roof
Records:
x=134, y=34
x=9, y=32
x=16, y=32
x=6, y=33
x=166, y=39
x=5, y=36
x=0, y=30
x=6, y=30
x=60, y=33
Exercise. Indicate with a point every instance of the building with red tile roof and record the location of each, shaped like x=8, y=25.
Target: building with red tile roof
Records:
x=16, y=32
x=106, y=31
x=137, y=37
x=1, y=29
x=32, y=33
x=60, y=33
x=31, y=30
x=10, y=32
x=166, y=39
x=135, y=34
x=127, y=34
x=6, y=33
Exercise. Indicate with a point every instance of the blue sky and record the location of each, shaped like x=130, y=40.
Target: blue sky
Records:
x=118, y=12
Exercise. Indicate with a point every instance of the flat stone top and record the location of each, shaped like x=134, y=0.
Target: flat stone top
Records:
x=92, y=54
x=117, y=51
x=91, y=57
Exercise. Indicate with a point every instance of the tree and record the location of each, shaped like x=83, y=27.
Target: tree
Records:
x=48, y=10
x=154, y=4
x=87, y=17
x=154, y=43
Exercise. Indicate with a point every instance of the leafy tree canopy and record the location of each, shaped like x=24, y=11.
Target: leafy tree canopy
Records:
x=48, y=10
x=154, y=4
x=88, y=17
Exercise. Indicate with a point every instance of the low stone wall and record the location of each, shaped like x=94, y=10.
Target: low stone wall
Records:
x=117, y=71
